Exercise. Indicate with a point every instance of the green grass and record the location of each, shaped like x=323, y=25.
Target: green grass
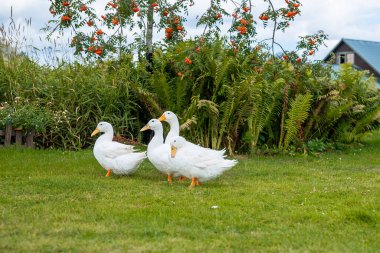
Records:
x=54, y=201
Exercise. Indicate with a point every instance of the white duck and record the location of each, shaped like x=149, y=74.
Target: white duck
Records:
x=172, y=119
x=114, y=156
x=196, y=162
x=159, y=152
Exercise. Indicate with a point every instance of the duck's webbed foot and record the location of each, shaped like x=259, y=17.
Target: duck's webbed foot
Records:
x=170, y=178
x=194, y=181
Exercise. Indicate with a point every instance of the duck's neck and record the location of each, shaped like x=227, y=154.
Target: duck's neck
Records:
x=157, y=140
x=174, y=130
x=107, y=136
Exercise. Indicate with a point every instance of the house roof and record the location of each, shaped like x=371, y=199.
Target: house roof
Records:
x=367, y=50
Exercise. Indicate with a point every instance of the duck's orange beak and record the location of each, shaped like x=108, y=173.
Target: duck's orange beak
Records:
x=173, y=151
x=96, y=131
x=162, y=118
x=146, y=127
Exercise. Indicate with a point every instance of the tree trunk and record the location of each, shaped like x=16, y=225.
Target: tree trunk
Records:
x=149, y=38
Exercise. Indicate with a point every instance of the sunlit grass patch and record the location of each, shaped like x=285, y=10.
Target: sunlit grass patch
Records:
x=60, y=201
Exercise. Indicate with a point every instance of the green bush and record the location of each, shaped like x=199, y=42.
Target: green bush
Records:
x=26, y=116
x=242, y=102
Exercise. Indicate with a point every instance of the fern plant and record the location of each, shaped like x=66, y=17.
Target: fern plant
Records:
x=297, y=114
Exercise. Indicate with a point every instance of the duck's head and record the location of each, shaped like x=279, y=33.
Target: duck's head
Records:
x=153, y=124
x=102, y=127
x=176, y=143
x=168, y=116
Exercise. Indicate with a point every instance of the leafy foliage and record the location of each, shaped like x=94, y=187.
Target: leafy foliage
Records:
x=224, y=99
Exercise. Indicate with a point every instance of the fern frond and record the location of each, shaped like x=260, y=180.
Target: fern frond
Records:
x=188, y=123
x=297, y=115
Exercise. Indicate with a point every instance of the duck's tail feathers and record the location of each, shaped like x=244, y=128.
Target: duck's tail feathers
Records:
x=218, y=169
x=128, y=163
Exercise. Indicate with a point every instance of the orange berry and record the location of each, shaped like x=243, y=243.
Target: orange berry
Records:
x=65, y=18
x=179, y=74
x=264, y=17
x=166, y=13
x=113, y=5
x=154, y=4
x=179, y=28
x=83, y=8
x=90, y=23
x=311, y=52
x=65, y=3
x=243, y=22
x=188, y=61
x=99, y=51
x=135, y=9
x=99, y=32
x=115, y=21
x=291, y=14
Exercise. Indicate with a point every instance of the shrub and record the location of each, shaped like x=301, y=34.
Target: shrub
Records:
x=224, y=99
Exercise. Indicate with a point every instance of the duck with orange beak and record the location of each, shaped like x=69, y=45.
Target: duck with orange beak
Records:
x=196, y=162
x=114, y=156
x=159, y=152
x=172, y=119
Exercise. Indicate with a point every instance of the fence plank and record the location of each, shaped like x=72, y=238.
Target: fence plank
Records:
x=29, y=139
x=8, y=135
x=18, y=137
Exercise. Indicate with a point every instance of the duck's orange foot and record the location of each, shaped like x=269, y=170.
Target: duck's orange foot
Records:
x=193, y=182
x=170, y=178
x=181, y=178
x=199, y=183
x=108, y=173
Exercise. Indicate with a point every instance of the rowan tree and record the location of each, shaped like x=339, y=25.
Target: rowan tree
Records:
x=99, y=36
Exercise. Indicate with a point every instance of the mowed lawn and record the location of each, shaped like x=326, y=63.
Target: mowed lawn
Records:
x=54, y=201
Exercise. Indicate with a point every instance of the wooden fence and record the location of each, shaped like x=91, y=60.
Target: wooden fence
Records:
x=17, y=136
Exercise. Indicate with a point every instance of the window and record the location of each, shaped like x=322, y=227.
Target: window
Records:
x=345, y=58
x=342, y=58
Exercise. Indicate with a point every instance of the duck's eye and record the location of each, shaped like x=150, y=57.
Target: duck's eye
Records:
x=169, y=113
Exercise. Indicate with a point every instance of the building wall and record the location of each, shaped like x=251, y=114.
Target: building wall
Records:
x=360, y=62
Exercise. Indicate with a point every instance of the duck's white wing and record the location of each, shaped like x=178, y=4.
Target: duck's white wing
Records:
x=160, y=158
x=202, y=163
x=114, y=149
x=205, y=152
x=127, y=163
